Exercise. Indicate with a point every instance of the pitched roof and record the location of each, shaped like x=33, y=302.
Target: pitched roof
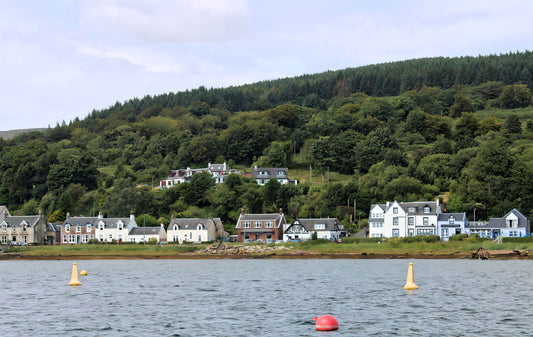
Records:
x=523, y=221
x=191, y=223
x=73, y=220
x=16, y=221
x=447, y=216
x=271, y=172
x=331, y=224
x=145, y=230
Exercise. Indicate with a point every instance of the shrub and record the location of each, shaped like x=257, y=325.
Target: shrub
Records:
x=353, y=239
x=523, y=239
x=458, y=237
x=314, y=242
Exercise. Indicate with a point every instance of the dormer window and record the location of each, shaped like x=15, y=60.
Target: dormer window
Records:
x=175, y=227
x=281, y=173
x=4, y=228
x=395, y=210
x=451, y=220
x=24, y=227
x=257, y=224
x=101, y=226
x=78, y=229
x=246, y=224
x=320, y=226
x=89, y=227
x=199, y=227
x=120, y=226
x=411, y=209
x=67, y=228
x=268, y=224
x=427, y=209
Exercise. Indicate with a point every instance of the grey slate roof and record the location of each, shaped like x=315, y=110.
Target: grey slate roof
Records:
x=191, y=223
x=272, y=172
x=16, y=221
x=145, y=230
x=113, y=222
x=446, y=216
x=419, y=207
x=309, y=224
x=80, y=220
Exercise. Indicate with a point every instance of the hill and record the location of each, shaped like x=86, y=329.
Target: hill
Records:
x=10, y=134
x=461, y=128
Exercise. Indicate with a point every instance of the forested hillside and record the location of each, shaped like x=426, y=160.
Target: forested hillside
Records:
x=456, y=128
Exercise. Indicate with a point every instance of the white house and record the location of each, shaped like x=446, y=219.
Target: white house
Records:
x=195, y=230
x=109, y=229
x=303, y=229
x=148, y=234
x=219, y=172
x=400, y=219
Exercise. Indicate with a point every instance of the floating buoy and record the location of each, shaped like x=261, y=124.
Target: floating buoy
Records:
x=410, y=284
x=74, y=278
x=83, y=273
x=326, y=323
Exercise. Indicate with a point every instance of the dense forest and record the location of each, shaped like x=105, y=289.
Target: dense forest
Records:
x=460, y=129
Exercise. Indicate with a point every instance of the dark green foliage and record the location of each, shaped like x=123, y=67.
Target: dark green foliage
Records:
x=458, y=237
x=408, y=130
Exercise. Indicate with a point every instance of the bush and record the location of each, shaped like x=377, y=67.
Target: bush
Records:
x=458, y=237
x=474, y=238
x=314, y=242
x=353, y=239
x=523, y=239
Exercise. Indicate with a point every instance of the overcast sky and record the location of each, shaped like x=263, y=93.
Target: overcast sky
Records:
x=60, y=59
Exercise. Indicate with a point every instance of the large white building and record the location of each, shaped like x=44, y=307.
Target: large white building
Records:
x=400, y=219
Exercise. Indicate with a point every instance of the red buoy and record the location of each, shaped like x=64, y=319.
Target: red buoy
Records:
x=326, y=323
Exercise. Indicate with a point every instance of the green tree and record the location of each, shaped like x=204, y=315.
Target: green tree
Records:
x=515, y=96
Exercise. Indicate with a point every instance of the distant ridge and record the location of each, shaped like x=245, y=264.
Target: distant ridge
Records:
x=13, y=133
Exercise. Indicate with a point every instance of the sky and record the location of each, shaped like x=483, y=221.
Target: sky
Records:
x=62, y=59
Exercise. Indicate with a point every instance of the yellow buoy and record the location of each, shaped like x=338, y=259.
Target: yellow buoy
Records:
x=83, y=273
x=74, y=278
x=410, y=284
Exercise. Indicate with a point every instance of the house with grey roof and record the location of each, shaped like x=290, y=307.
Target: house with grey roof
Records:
x=449, y=224
x=52, y=233
x=114, y=229
x=266, y=227
x=148, y=234
x=303, y=229
x=219, y=172
x=76, y=230
x=400, y=219
x=512, y=224
x=263, y=174
x=195, y=230
x=22, y=230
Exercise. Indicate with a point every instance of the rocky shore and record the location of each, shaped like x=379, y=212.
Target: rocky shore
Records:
x=225, y=251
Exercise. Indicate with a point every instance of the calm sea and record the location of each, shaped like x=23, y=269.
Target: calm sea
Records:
x=266, y=298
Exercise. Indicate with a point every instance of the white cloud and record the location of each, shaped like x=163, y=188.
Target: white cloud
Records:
x=174, y=21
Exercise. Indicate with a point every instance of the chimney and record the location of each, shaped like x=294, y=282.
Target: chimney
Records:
x=68, y=215
x=242, y=211
x=100, y=215
x=280, y=211
x=224, y=165
x=132, y=215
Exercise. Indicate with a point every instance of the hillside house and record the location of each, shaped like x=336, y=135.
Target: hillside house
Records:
x=263, y=174
x=513, y=224
x=449, y=224
x=218, y=171
x=22, y=230
x=148, y=234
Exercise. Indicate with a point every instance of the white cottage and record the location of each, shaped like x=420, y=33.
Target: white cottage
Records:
x=117, y=229
x=195, y=230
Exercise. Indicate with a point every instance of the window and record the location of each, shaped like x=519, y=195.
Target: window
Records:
x=4, y=240
x=78, y=229
x=101, y=226
x=319, y=226
x=89, y=227
x=395, y=233
x=199, y=227
x=268, y=224
x=395, y=210
x=24, y=227
x=120, y=237
x=281, y=173
x=175, y=238
x=377, y=235
x=110, y=237
x=65, y=238
x=513, y=234
x=120, y=225
x=424, y=231
x=411, y=221
x=395, y=221
x=72, y=238
x=175, y=228
x=199, y=238
x=445, y=232
x=67, y=228
x=411, y=232
x=411, y=209
x=84, y=238
x=426, y=221
x=257, y=224
x=451, y=220
x=4, y=228
x=246, y=224
x=101, y=237
x=427, y=209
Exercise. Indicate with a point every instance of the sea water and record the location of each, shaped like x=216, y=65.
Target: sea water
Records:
x=256, y=297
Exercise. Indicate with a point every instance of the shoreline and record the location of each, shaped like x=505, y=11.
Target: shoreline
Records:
x=495, y=255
